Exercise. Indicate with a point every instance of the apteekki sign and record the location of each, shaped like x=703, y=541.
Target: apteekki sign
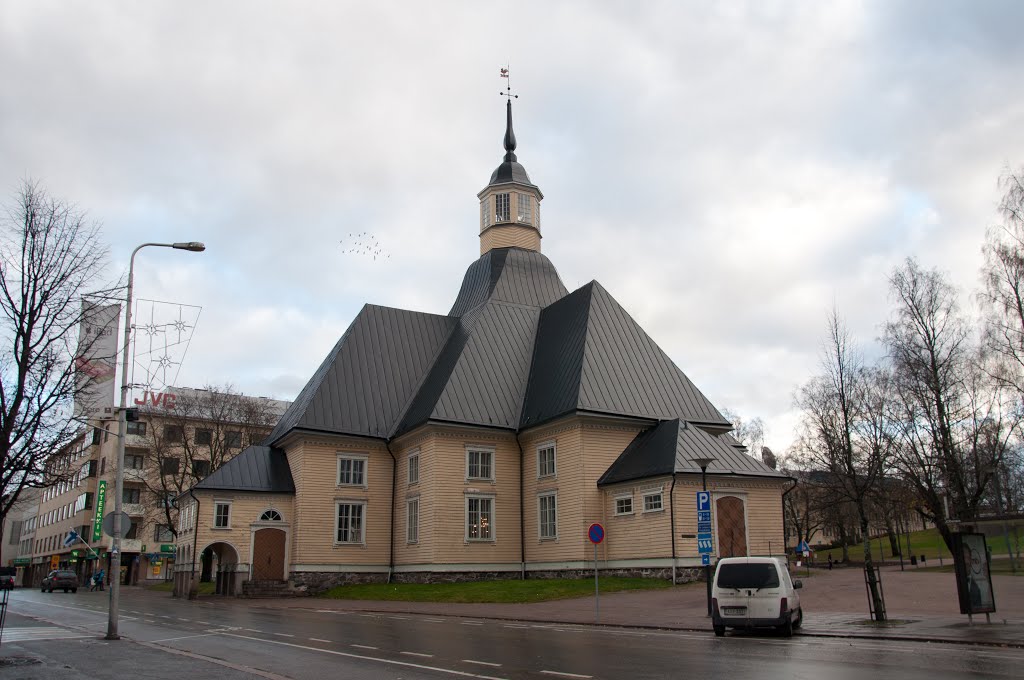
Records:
x=101, y=502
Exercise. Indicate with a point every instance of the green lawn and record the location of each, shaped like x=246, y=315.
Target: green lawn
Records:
x=504, y=591
x=928, y=543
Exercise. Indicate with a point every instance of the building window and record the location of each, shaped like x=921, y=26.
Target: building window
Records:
x=162, y=533
x=351, y=471
x=479, y=464
x=652, y=502
x=547, y=510
x=501, y=208
x=170, y=465
x=624, y=505
x=200, y=468
x=479, y=518
x=523, y=205
x=203, y=437
x=486, y=213
x=233, y=439
x=414, y=468
x=96, y=435
x=412, y=520
x=350, y=523
x=131, y=496
x=134, y=461
x=221, y=515
x=546, y=460
x=137, y=427
x=174, y=434
x=271, y=516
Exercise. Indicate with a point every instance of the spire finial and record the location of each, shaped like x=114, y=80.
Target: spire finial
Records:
x=510, y=136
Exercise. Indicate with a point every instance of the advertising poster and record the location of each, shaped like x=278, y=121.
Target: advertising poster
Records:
x=96, y=360
x=973, y=579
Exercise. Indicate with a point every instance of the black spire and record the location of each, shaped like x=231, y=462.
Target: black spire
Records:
x=510, y=136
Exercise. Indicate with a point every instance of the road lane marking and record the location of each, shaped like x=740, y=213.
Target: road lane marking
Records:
x=482, y=663
x=252, y=630
x=183, y=637
x=181, y=619
x=514, y=625
x=566, y=675
x=33, y=633
x=399, y=618
x=425, y=656
x=285, y=635
x=472, y=623
x=393, y=662
x=320, y=640
x=364, y=646
x=204, y=623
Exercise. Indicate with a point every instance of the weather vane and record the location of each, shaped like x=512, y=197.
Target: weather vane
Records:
x=508, y=86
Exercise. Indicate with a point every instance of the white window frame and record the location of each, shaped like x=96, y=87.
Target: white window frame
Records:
x=553, y=536
x=554, y=460
x=505, y=198
x=489, y=450
x=362, y=519
x=216, y=505
x=524, y=205
x=412, y=526
x=651, y=494
x=490, y=526
x=352, y=457
x=624, y=497
x=413, y=463
x=485, y=207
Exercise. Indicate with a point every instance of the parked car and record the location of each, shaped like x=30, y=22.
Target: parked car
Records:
x=61, y=579
x=755, y=592
x=7, y=575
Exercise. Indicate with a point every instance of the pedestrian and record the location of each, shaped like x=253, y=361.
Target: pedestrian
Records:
x=830, y=561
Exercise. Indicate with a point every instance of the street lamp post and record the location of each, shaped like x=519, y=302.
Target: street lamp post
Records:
x=703, y=464
x=115, y=551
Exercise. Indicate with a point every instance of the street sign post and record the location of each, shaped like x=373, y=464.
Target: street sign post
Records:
x=595, y=534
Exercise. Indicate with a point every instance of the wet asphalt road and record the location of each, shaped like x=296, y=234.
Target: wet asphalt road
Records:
x=238, y=638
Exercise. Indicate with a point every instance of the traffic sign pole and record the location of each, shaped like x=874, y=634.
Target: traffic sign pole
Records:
x=595, y=534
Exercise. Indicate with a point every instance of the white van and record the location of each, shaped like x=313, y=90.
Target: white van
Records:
x=755, y=592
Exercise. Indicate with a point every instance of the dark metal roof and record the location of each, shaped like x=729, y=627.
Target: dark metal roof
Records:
x=515, y=275
x=592, y=356
x=256, y=468
x=368, y=379
x=671, y=446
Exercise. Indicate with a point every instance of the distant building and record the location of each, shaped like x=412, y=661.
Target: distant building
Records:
x=484, y=442
x=172, y=445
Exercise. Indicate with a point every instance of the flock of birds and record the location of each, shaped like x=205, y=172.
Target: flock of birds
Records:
x=364, y=243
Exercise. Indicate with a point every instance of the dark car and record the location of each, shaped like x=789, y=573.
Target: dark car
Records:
x=61, y=579
x=7, y=578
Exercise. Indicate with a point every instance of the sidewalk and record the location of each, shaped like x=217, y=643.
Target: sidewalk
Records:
x=920, y=605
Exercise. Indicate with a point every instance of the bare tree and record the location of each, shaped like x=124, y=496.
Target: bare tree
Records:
x=750, y=433
x=205, y=429
x=841, y=438
x=50, y=258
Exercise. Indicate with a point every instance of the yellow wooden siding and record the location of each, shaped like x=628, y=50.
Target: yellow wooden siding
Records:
x=246, y=509
x=315, y=507
x=504, y=236
x=640, y=534
x=422, y=551
x=567, y=483
x=762, y=504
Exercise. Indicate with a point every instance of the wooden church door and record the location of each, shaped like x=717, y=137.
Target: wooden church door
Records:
x=732, y=527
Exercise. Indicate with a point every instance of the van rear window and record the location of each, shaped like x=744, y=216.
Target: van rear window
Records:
x=748, y=576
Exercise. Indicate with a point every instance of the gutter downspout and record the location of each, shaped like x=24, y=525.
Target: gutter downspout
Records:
x=522, y=514
x=394, y=482
x=672, y=522
x=193, y=585
x=785, y=538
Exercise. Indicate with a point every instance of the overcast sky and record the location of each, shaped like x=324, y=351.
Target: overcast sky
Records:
x=728, y=171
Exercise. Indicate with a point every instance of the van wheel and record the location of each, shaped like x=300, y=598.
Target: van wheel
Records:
x=799, y=619
x=719, y=631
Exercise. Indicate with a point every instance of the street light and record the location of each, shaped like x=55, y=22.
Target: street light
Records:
x=703, y=464
x=115, y=581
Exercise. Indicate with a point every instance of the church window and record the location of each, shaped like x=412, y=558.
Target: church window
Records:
x=222, y=515
x=414, y=468
x=501, y=208
x=352, y=471
x=546, y=460
x=523, y=208
x=479, y=464
x=486, y=213
x=350, y=523
x=412, y=520
x=547, y=510
x=624, y=505
x=652, y=502
x=270, y=516
x=479, y=518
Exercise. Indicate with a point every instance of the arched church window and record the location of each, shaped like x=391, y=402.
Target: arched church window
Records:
x=270, y=516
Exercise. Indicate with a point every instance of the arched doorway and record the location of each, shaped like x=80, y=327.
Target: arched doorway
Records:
x=222, y=559
x=732, y=527
x=268, y=555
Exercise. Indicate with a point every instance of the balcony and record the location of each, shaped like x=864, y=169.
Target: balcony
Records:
x=134, y=475
x=134, y=509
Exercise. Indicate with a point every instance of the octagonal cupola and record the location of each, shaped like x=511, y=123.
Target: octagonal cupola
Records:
x=510, y=203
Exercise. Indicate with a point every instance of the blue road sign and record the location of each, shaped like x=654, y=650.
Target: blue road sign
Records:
x=705, y=558
x=703, y=500
x=704, y=516
x=595, y=533
x=704, y=543
x=703, y=527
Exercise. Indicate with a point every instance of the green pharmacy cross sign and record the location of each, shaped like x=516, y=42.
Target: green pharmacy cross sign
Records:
x=101, y=502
